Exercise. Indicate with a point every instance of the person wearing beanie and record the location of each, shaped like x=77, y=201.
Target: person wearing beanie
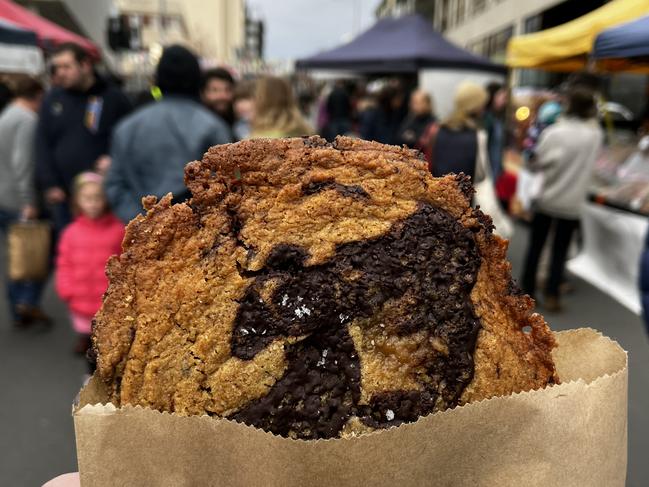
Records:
x=178, y=72
x=454, y=143
x=151, y=147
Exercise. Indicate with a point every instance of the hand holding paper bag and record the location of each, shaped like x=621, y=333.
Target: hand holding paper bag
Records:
x=65, y=480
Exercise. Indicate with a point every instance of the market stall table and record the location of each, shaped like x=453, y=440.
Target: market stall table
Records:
x=613, y=240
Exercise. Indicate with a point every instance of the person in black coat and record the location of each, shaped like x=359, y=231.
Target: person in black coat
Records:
x=339, y=110
x=419, y=120
x=381, y=121
x=455, y=145
x=75, y=125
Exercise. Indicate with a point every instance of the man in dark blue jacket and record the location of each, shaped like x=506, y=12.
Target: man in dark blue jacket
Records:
x=75, y=125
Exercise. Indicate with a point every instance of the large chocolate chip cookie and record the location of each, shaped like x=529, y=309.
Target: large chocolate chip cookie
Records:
x=314, y=291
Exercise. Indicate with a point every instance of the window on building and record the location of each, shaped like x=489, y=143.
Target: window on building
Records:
x=532, y=24
x=478, y=6
x=483, y=46
x=494, y=46
x=461, y=11
x=502, y=38
x=444, y=15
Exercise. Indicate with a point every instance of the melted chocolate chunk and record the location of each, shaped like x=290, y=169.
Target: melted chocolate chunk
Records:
x=485, y=220
x=465, y=184
x=315, y=142
x=430, y=257
x=396, y=407
x=513, y=289
x=352, y=191
x=318, y=393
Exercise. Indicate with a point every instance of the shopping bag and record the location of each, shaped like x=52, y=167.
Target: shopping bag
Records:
x=28, y=250
x=485, y=192
x=528, y=187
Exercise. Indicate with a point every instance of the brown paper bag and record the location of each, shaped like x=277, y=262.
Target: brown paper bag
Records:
x=28, y=251
x=573, y=434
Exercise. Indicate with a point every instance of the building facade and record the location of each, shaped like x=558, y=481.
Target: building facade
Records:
x=485, y=26
x=396, y=8
x=132, y=33
x=215, y=29
x=253, y=48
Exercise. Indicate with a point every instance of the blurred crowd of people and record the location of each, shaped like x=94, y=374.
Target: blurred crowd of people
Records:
x=82, y=154
x=560, y=150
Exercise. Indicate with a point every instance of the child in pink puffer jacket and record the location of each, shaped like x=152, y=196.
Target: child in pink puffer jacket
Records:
x=84, y=247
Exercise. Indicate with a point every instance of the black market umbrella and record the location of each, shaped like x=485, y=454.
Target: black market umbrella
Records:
x=399, y=45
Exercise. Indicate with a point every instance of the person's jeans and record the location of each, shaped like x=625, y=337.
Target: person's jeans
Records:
x=19, y=293
x=563, y=234
x=61, y=217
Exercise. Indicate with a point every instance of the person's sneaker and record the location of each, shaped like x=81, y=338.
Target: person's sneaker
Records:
x=23, y=318
x=552, y=304
x=567, y=287
x=33, y=315
x=21, y=323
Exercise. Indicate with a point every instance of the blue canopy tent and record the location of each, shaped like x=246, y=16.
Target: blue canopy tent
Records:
x=624, y=47
x=19, y=51
x=398, y=45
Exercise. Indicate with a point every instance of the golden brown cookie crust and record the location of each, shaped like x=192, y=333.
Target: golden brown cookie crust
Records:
x=166, y=334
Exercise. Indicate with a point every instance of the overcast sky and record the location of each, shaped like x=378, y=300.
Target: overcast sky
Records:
x=297, y=28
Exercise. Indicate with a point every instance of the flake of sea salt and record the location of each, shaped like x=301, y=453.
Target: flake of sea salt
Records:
x=301, y=311
x=389, y=415
x=284, y=299
x=321, y=362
